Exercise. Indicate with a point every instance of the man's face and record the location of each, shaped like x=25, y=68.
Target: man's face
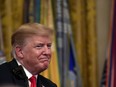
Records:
x=36, y=54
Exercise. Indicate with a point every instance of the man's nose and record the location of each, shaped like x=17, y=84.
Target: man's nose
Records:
x=47, y=50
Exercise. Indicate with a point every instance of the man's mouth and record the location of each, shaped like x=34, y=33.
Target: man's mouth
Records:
x=44, y=59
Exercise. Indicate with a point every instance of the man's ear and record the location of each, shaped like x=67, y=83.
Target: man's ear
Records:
x=18, y=50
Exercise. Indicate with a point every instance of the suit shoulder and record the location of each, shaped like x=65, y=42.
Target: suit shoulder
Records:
x=46, y=81
x=4, y=70
x=5, y=73
x=4, y=66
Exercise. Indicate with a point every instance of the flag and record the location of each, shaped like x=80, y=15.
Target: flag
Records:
x=72, y=67
x=37, y=10
x=64, y=40
x=111, y=77
x=74, y=70
x=26, y=11
x=104, y=75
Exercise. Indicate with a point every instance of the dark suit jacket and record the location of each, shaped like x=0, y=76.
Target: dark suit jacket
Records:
x=11, y=73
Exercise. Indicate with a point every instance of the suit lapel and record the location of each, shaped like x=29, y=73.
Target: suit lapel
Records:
x=19, y=76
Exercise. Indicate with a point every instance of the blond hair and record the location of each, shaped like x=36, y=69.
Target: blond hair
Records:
x=28, y=30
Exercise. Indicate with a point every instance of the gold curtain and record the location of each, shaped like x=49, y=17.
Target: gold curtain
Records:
x=6, y=20
x=11, y=18
x=84, y=29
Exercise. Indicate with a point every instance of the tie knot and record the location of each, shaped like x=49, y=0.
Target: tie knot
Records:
x=33, y=81
x=33, y=78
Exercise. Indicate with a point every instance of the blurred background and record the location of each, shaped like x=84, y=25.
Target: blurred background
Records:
x=82, y=34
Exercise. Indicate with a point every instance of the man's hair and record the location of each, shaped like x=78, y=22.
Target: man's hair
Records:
x=28, y=30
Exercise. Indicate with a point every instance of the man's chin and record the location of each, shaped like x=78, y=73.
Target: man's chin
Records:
x=43, y=66
x=46, y=64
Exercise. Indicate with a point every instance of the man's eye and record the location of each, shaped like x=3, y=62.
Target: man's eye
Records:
x=39, y=46
x=49, y=45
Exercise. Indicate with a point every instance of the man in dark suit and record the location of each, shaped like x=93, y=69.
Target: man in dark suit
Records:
x=31, y=50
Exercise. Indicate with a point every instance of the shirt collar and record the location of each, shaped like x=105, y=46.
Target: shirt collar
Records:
x=28, y=74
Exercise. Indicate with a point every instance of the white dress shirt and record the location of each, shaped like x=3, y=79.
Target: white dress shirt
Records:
x=28, y=74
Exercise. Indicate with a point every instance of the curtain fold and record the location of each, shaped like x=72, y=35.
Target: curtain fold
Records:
x=11, y=19
x=6, y=19
x=83, y=19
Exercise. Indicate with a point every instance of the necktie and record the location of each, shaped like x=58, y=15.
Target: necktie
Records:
x=33, y=81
